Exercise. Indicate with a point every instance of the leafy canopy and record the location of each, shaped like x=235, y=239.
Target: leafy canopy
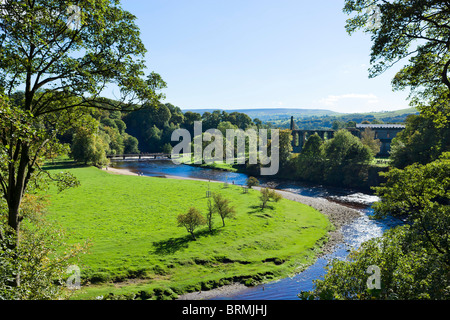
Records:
x=417, y=30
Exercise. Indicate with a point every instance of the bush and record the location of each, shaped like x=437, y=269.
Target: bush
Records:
x=222, y=207
x=191, y=221
x=252, y=182
x=41, y=259
x=267, y=195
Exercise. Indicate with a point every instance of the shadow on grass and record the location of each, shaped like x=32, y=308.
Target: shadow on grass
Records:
x=259, y=209
x=63, y=165
x=172, y=245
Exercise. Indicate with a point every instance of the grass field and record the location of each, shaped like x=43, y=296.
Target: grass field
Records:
x=138, y=247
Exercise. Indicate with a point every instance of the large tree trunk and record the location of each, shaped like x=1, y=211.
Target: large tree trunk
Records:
x=14, y=223
x=18, y=179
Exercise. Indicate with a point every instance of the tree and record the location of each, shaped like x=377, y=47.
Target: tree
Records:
x=407, y=272
x=421, y=193
x=191, y=221
x=130, y=144
x=167, y=148
x=312, y=147
x=189, y=119
x=338, y=125
x=345, y=148
x=222, y=207
x=418, y=30
x=116, y=145
x=368, y=139
x=62, y=70
x=420, y=142
x=309, y=165
x=89, y=148
x=209, y=215
x=224, y=126
x=252, y=182
x=43, y=256
x=351, y=124
x=413, y=259
x=267, y=195
x=285, y=149
x=346, y=159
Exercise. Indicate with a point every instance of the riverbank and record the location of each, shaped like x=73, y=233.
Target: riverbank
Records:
x=339, y=215
x=138, y=251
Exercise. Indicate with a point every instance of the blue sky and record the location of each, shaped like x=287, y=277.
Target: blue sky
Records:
x=261, y=54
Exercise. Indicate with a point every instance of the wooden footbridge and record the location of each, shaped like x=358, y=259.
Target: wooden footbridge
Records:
x=140, y=156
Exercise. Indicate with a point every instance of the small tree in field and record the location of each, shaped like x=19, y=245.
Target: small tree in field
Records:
x=191, y=221
x=209, y=215
x=267, y=195
x=222, y=207
x=368, y=139
x=252, y=182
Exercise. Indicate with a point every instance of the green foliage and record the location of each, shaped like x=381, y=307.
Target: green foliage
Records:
x=191, y=221
x=62, y=72
x=130, y=144
x=341, y=161
x=420, y=142
x=89, y=148
x=147, y=235
x=417, y=30
x=285, y=149
x=209, y=215
x=222, y=207
x=368, y=139
x=42, y=257
x=25, y=141
x=345, y=148
x=407, y=270
x=309, y=165
x=267, y=195
x=312, y=147
x=224, y=126
x=153, y=126
x=167, y=148
x=414, y=259
x=252, y=182
x=409, y=191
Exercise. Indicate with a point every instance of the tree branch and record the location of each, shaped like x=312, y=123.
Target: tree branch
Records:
x=445, y=75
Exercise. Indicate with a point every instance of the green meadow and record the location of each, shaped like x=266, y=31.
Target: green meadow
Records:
x=137, y=247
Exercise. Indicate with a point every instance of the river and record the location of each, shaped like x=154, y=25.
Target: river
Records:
x=360, y=230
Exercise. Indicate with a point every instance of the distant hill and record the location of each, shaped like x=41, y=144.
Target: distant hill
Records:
x=283, y=115
x=385, y=114
x=274, y=114
x=326, y=122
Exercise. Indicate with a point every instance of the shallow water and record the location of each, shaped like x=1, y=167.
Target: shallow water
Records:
x=360, y=230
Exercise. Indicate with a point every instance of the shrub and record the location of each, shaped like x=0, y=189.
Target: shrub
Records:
x=252, y=182
x=267, y=195
x=222, y=207
x=191, y=221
